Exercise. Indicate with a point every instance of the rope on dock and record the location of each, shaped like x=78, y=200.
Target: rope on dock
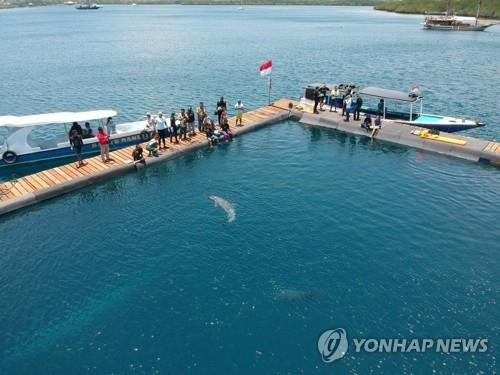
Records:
x=4, y=191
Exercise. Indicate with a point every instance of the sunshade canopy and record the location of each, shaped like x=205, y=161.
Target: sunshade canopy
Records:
x=55, y=118
x=388, y=94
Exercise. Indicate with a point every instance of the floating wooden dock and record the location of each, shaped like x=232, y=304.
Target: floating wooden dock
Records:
x=451, y=144
x=46, y=184
x=54, y=182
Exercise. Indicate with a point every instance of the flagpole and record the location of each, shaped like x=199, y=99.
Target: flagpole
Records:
x=269, y=82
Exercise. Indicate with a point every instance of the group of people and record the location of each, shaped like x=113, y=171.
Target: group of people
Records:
x=77, y=134
x=177, y=127
x=183, y=125
x=351, y=102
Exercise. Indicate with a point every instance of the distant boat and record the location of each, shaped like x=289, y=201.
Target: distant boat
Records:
x=69, y=3
x=87, y=6
x=447, y=21
x=241, y=6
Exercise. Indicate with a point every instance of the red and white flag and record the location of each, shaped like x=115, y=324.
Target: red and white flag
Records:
x=266, y=68
x=415, y=89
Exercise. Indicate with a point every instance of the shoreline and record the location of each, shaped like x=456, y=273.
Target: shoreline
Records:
x=425, y=14
x=232, y=3
x=360, y=3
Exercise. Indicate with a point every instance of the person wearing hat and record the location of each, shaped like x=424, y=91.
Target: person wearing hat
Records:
x=161, y=127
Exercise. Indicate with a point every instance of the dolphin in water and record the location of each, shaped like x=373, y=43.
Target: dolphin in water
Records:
x=226, y=206
x=292, y=295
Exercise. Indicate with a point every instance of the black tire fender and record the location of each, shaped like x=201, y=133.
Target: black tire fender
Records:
x=9, y=157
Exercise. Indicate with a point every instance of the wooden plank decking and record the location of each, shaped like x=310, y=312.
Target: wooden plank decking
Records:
x=50, y=179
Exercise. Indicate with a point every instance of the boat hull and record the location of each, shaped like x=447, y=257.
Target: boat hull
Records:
x=91, y=148
x=456, y=28
x=448, y=128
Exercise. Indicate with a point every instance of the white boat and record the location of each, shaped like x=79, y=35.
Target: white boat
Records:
x=448, y=21
x=87, y=6
x=423, y=120
x=21, y=143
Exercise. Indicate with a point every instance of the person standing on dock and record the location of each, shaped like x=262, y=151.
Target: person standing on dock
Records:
x=76, y=141
x=239, y=108
x=173, y=128
x=381, y=107
x=323, y=91
x=161, y=127
x=190, y=121
x=316, y=99
x=183, y=124
x=335, y=97
x=221, y=107
x=76, y=126
x=103, y=139
x=202, y=113
x=359, y=103
x=348, y=103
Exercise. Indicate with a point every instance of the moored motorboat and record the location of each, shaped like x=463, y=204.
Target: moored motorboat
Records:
x=423, y=120
x=22, y=144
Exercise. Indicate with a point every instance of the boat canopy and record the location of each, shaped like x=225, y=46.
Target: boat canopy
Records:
x=54, y=118
x=389, y=94
x=329, y=85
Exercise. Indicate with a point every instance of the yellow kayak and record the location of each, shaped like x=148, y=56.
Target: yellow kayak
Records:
x=436, y=137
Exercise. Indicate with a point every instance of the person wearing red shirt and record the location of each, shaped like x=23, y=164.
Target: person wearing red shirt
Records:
x=104, y=144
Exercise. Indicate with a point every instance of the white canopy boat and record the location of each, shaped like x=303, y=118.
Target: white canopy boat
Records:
x=37, y=137
x=423, y=120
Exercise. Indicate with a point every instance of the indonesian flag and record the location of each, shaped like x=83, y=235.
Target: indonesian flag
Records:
x=415, y=89
x=266, y=68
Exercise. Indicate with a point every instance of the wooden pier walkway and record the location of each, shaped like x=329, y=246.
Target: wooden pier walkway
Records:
x=53, y=182
x=56, y=181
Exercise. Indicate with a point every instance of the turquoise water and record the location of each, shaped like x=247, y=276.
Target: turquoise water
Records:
x=142, y=274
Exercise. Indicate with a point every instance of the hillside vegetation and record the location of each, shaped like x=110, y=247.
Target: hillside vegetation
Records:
x=24, y=3
x=489, y=8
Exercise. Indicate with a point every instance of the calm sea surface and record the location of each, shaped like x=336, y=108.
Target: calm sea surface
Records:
x=143, y=275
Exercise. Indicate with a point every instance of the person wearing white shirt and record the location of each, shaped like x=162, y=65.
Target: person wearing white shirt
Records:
x=161, y=127
x=335, y=97
x=239, y=108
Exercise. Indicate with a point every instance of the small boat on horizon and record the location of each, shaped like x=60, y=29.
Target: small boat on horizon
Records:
x=22, y=145
x=87, y=6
